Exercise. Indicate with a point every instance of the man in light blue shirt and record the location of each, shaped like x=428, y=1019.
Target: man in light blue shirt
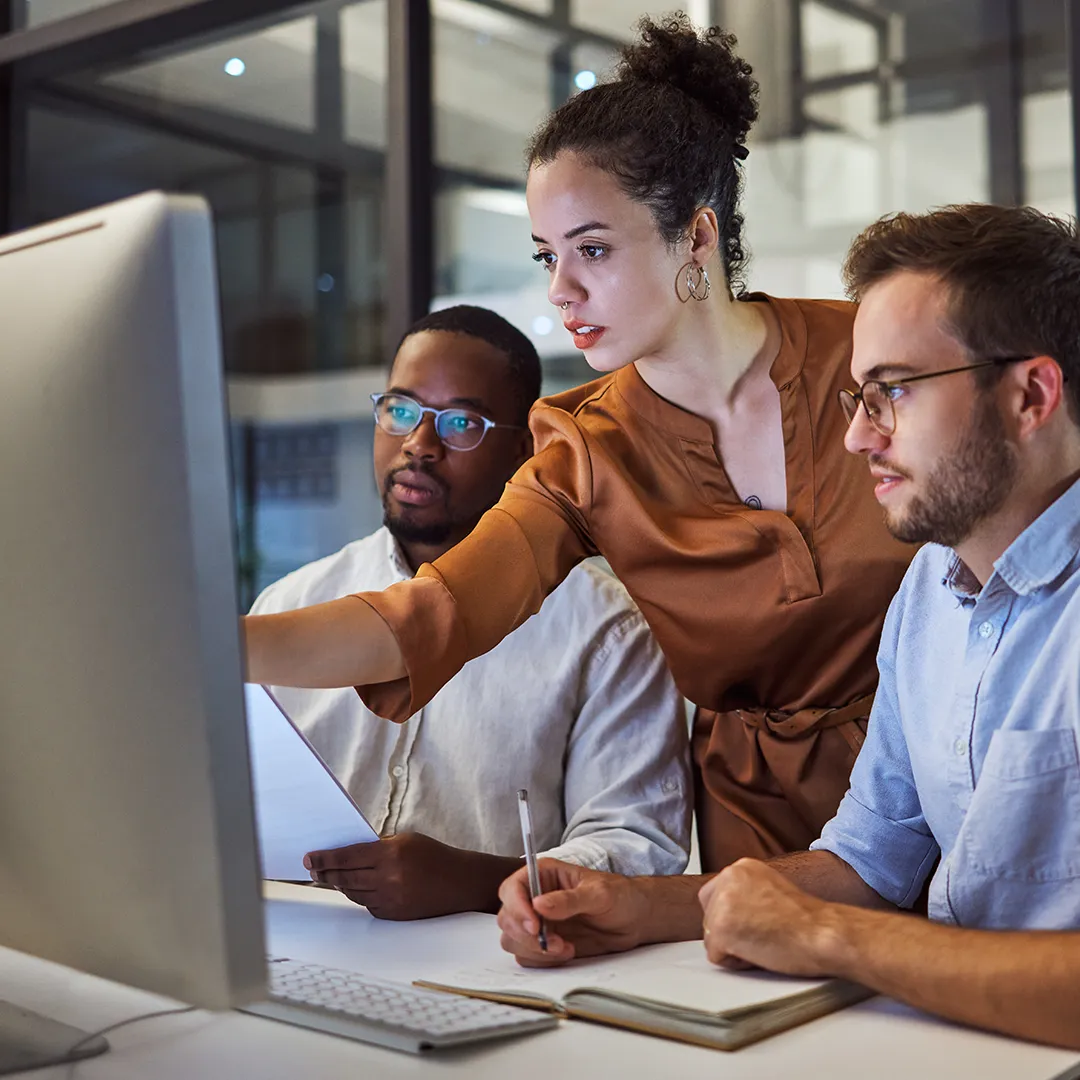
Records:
x=970, y=775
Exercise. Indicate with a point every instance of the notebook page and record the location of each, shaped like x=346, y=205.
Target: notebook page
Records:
x=677, y=974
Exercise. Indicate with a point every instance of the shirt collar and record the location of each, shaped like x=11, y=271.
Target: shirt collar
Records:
x=958, y=579
x=789, y=361
x=1036, y=558
x=1040, y=554
x=394, y=555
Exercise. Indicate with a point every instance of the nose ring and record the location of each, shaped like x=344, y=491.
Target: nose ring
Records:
x=565, y=304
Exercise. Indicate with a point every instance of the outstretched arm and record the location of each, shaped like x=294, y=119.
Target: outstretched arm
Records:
x=401, y=645
x=341, y=643
x=1022, y=983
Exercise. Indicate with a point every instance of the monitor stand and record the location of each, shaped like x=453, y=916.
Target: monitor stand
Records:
x=29, y=1040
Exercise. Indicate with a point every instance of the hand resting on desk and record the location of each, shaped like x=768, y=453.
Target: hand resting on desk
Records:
x=755, y=916
x=412, y=876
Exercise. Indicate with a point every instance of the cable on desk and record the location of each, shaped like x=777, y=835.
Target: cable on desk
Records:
x=124, y=1023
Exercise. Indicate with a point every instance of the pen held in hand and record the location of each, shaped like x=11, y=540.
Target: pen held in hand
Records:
x=530, y=859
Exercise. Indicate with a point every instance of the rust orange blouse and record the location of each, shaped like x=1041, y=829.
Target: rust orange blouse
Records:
x=768, y=620
x=749, y=606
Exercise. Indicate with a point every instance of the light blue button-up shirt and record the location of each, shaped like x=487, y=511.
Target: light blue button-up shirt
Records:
x=972, y=748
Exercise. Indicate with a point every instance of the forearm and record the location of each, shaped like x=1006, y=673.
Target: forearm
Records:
x=340, y=643
x=483, y=875
x=828, y=877
x=1023, y=983
x=670, y=907
x=672, y=910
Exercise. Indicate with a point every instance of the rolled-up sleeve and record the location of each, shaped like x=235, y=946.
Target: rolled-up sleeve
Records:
x=627, y=786
x=879, y=829
x=466, y=602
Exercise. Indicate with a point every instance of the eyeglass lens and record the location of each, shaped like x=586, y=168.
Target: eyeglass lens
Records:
x=400, y=415
x=875, y=399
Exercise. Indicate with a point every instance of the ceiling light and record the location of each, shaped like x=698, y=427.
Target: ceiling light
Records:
x=585, y=79
x=235, y=66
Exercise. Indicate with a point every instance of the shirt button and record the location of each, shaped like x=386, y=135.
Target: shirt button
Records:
x=986, y=629
x=960, y=747
x=398, y=770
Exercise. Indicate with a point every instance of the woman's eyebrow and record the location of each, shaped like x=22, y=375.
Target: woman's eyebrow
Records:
x=577, y=230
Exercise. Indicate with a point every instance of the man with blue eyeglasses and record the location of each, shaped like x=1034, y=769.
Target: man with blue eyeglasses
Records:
x=577, y=705
x=967, y=352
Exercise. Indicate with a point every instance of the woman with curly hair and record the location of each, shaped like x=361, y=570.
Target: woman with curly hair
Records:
x=706, y=464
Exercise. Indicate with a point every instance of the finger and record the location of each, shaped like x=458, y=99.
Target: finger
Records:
x=588, y=898
x=517, y=908
x=360, y=899
x=353, y=857
x=528, y=953
x=556, y=875
x=735, y=963
x=365, y=881
x=716, y=949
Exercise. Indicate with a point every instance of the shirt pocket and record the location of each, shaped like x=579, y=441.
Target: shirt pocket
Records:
x=1023, y=822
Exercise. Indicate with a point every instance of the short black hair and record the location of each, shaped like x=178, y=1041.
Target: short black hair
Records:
x=670, y=127
x=523, y=361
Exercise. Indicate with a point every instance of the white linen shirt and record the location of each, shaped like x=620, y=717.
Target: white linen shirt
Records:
x=576, y=705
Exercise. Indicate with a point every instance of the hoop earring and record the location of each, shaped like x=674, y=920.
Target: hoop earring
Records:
x=699, y=287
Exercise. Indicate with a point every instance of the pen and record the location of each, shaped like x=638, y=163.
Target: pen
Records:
x=530, y=858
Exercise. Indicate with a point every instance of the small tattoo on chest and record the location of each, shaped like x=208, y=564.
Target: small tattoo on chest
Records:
x=753, y=502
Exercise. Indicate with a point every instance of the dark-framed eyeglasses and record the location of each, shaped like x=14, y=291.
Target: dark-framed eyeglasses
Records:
x=459, y=429
x=877, y=396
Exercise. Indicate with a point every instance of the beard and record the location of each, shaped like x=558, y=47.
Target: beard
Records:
x=964, y=488
x=401, y=523
x=415, y=532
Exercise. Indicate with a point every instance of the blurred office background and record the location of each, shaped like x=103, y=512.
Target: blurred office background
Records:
x=363, y=159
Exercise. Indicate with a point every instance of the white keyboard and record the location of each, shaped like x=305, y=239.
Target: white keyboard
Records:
x=386, y=1013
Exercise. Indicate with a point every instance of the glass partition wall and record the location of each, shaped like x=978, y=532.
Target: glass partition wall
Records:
x=363, y=159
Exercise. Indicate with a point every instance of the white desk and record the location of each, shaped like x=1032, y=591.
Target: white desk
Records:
x=878, y=1039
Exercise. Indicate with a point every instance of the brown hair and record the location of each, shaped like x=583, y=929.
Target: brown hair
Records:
x=1012, y=274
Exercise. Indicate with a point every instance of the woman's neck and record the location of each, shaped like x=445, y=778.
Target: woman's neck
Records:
x=724, y=347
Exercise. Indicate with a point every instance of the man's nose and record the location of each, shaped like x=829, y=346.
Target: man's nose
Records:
x=423, y=441
x=861, y=436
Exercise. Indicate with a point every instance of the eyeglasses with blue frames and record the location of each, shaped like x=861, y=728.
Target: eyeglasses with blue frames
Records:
x=459, y=429
x=877, y=396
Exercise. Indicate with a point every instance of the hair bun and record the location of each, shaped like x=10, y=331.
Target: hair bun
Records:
x=703, y=66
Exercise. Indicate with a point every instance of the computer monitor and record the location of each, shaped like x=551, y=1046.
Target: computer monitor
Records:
x=127, y=842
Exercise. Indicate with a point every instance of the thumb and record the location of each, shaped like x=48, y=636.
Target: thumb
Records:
x=583, y=898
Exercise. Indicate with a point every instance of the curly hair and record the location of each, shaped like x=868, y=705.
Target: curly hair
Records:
x=669, y=127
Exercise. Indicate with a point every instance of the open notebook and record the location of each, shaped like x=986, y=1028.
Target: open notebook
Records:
x=666, y=990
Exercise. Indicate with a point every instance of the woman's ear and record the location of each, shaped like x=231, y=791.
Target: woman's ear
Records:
x=704, y=234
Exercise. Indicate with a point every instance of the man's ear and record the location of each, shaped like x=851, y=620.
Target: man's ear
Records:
x=524, y=448
x=1037, y=391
